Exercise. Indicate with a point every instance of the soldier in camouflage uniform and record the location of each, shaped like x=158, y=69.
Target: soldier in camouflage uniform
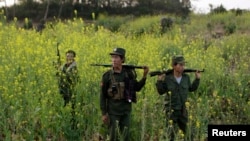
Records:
x=176, y=86
x=68, y=77
x=118, y=91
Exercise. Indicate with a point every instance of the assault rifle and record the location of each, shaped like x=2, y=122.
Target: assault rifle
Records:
x=58, y=63
x=58, y=54
x=154, y=73
x=124, y=66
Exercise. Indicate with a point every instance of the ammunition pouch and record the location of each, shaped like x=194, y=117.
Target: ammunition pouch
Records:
x=116, y=90
x=123, y=90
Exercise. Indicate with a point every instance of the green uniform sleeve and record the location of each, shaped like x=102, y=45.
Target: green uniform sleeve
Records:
x=139, y=84
x=104, y=93
x=161, y=86
x=194, y=86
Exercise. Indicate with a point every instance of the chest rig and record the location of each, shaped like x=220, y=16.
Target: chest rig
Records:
x=123, y=88
x=116, y=88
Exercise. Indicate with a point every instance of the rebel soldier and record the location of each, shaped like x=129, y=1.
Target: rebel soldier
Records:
x=118, y=92
x=176, y=86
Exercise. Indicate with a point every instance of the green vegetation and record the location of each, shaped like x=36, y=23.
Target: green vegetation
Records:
x=32, y=109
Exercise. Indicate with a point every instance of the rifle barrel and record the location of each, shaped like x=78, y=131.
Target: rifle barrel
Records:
x=58, y=55
x=103, y=65
x=125, y=66
x=193, y=70
x=154, y=73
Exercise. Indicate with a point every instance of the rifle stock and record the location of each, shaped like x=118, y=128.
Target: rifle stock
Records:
x=154, y=73
x=125, y=66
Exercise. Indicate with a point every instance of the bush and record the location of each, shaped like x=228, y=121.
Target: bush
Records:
x=230, y=28
x=113, y=23
x=166, y=24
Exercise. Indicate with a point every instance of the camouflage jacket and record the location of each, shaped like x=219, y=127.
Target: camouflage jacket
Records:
x=67, y=78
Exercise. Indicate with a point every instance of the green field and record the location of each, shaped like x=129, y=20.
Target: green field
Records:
x=32, y=108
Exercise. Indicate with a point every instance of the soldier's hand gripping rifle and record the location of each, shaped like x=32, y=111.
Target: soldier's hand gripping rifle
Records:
x=124, y=66
x=154, y=73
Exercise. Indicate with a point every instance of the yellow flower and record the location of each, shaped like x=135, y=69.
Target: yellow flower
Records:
x=93, y=15
x=170, y=122
x=215, y=93
x=187, y=104
x=169, y=92
x=15, y=19
x=199, y=99
x=198, y=124
x=190, y=117
x=181, y=133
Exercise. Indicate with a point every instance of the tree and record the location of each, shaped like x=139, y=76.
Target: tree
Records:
x=219, y=9
x=145, y=2
x=186, y=3
x=14, y=9
x=60, y=9
x=6, y=10
x=47, y=10
x=26, y=1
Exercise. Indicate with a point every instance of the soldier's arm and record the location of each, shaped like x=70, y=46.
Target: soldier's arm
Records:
x=142, y=82
x=161, y=84
x=195, y=84
x=139, y=84
x=103, y=94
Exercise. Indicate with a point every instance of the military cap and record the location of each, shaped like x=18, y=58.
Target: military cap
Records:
x=178, y=59
x=118, y=51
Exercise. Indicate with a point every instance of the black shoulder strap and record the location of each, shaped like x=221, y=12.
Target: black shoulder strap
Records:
x=111, y=76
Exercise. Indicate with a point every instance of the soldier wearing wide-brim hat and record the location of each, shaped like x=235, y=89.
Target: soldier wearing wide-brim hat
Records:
x=118, y=92
x=176, y=86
